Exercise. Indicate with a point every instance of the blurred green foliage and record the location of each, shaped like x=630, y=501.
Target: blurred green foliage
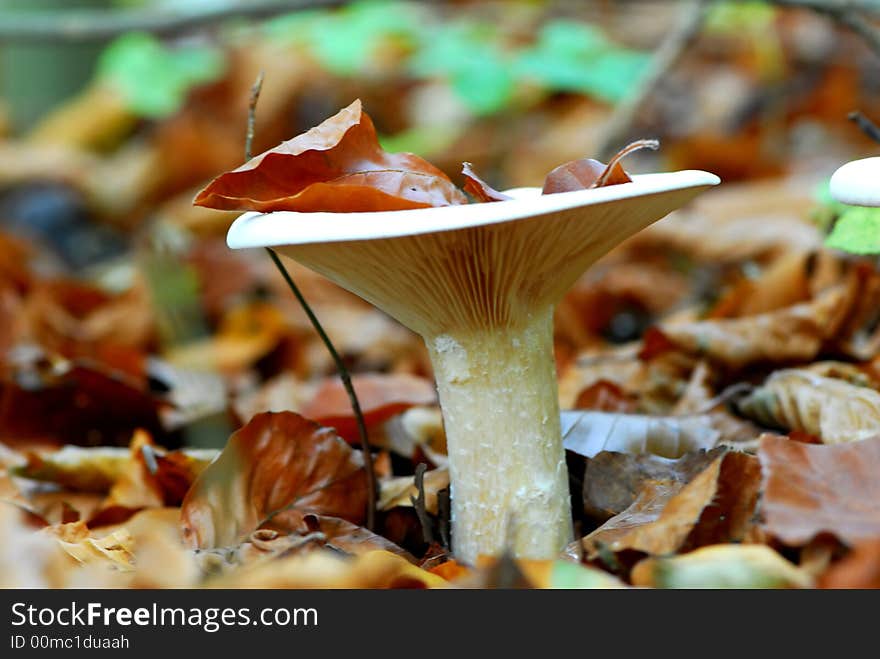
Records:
x=853, y=229
x=154, y=78
x=857, y=231
x=481, y=63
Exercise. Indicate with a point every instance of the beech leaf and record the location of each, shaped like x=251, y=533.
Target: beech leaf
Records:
x=275, y=470
x=589, y=173
x=811, y=489
x=337, y=166
x=478, y=188
x=716, y=506
x=798, y=400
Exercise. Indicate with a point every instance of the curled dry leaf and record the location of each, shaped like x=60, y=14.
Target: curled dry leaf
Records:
x=831, y=409
x=150, y=478
x=589, y=173
x=716, y=506
x=795, y=333
x=590, y=433
x=381, y=396
x=115, y=549
x=276, y=469
x=810, y=489
x=97, y=469
x=478, y=188
x=337, y=166
x=613, y=481
x=721, y=566
x=325, y=569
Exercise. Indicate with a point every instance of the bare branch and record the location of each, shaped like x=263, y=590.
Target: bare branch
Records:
x=96, y=25
x=693, y=15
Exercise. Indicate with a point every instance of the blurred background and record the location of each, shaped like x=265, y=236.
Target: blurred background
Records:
x=120, y=305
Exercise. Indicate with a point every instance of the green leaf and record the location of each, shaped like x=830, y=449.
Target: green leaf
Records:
x=155, y=79
x=424, y=141
x=471, y=57
x=345, y=41
x=565, y=574
x=857, y=231
x=578, y=58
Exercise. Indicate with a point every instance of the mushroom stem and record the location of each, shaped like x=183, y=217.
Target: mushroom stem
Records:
x=507, y=465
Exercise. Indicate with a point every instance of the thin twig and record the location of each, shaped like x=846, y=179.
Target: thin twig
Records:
x=693, y=15
x=346, y=382
x=868, y=127
x=252, y=116
x=319, y=329
x=99, y=24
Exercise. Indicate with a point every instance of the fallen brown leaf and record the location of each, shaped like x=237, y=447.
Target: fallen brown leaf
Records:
x=276, y=469
x=810, y=489
x=716, y=506
x=613, y=481
x=859, y=569
x=794, y=333
x=831, y=409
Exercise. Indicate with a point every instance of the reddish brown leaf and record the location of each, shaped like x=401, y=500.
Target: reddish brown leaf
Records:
x=380, y=396
x=478, y=188
x=72, y=402
x=809, y=490
x=276, y=469
x=589, y=173
x=337, y=166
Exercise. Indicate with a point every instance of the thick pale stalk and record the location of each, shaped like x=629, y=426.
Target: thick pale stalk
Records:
x=509, y=480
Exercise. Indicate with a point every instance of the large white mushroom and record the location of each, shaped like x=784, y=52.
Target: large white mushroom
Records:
x=479, y=283
x=857, y=183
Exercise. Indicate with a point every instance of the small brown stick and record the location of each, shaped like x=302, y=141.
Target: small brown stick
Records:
x=868, y=127
x=419, y=504
x=341, y=369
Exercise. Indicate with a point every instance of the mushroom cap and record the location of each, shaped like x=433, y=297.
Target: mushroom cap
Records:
x=857, y=183
x=293, y=228
x=474, y=266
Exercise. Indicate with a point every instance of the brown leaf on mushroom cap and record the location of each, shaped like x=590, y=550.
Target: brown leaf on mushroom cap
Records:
x=381, y=396
x=589, y=173
x=810, y=489
x=716, y=506
x=478, y=188
x=276, y=469
x=337, y=166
